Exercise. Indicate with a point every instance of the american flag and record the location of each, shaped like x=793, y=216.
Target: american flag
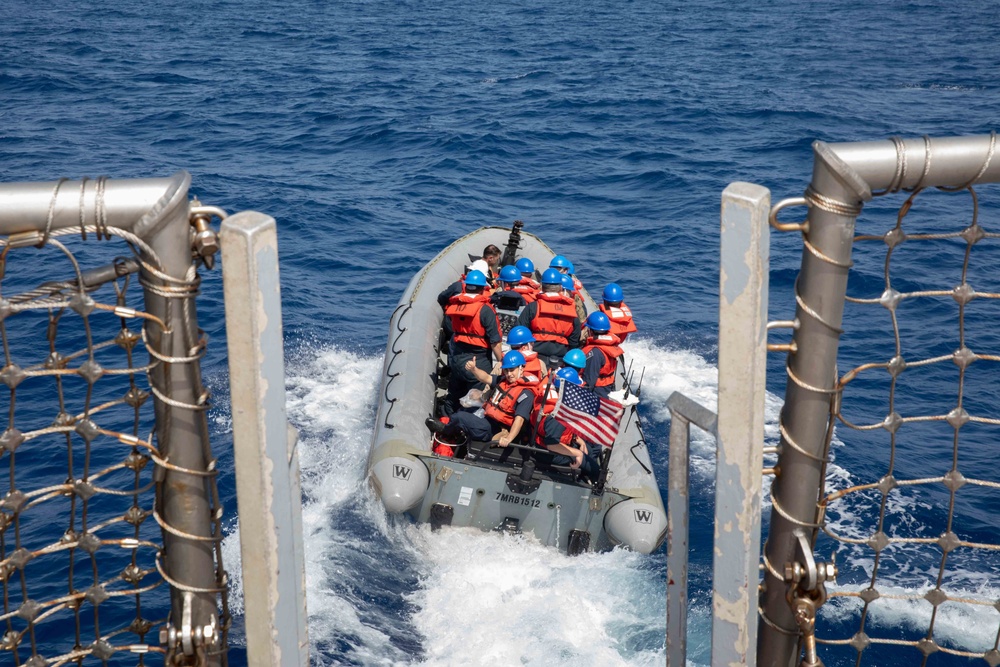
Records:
x=596, y=419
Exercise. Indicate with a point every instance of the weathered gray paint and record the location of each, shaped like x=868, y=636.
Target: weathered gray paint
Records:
x=740, y=434
x=683, y=412
x=267, y=472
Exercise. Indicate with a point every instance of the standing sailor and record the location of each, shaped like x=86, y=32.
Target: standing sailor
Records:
x=616, y=310
x=552, y=318
x=475, y=334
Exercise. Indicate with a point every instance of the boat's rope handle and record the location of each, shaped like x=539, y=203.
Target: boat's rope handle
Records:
x=395, y=353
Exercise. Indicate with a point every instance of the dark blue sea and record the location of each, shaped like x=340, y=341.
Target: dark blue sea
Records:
x=377, y=131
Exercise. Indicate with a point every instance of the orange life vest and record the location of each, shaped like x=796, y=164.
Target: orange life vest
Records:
x=621, y=319
x=608, y=344
x=531, y=282
x=546, y=396
x=554, y=318
x=545, y=402
x=463, y=309
x=528, y=289
x=503, y=399
x=488, y=290
x=532, y=364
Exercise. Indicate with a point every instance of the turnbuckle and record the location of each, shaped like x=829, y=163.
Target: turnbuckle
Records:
x=205, y=242
x=189, y=639
x=806, y=593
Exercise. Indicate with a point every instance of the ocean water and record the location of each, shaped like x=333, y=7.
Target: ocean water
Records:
x=376, y=132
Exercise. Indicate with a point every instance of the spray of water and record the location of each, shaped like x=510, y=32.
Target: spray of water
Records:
x=383, y=591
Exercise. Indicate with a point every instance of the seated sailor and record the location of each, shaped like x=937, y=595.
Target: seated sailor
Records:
x=616, y=310
x=476, y=334
x=506, y=410
x=561, y=264
x=520, y=339
x=528, y=287
x=489, y=265
x=569, y=289
x=552, y=318
x=563, y=446
x=602, y=353
x=506, y=295
x=566, y=268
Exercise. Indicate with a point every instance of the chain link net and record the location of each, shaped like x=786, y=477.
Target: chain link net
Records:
x=81, y=537
x=922, y=561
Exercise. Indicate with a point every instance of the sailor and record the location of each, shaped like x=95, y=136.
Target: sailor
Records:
x=566, y=268
x=574, y=361
x=569, y=289
x=552, y=318
x=489, y=265
x=476, y=333
x=563, y=445
x=506, y=411
x=616, y=310
x=576, y=281
x=520, y=339
x=560, y=264
x=506, y=295
x=528, y=287
x=602, y=352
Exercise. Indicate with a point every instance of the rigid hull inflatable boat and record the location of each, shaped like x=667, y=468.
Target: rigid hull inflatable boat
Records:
x=485, y=487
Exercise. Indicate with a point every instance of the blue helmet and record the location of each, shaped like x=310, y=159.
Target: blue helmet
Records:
x=510, y=274
x=559, y=262
x=520, y=336
x=575, y=358
x=525, y=265
x=475, y=278
x=567, y=282
x=551, y=277
x=572, y=269
x=569, y=375
x=613, y=293
x=598, y=321
x=512, y=359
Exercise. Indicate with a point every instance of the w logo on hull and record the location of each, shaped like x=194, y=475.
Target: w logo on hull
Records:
x=643, y=516
x=401, y=472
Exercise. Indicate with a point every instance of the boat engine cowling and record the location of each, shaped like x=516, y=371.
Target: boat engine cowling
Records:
x=401, y=482
x=637, y=525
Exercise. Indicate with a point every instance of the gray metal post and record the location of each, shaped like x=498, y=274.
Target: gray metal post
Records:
x=844, y=176
x=267, y=468
x=677, y=541
x=822, y=286
x=156, y=210
x=683, y=412
x=743, y=296
x=184, y=502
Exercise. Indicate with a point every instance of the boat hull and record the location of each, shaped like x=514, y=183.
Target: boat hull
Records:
x=410, y=479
